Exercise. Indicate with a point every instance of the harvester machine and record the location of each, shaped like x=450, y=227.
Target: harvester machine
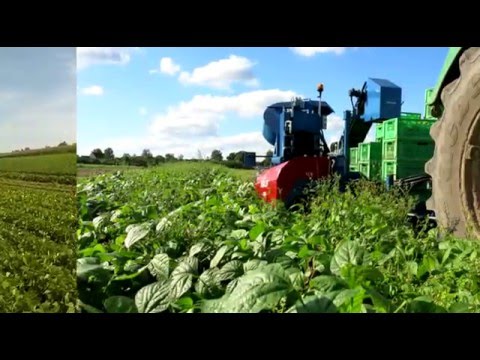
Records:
x=296, y=131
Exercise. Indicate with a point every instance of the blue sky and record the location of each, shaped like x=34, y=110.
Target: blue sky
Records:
x=193, y=100
x=37, y=97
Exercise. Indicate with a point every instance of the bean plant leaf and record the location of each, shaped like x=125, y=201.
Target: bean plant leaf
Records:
x=218, y=256
x=230, y=270
x=153, y=298
x=136, y=233
x=120, y=304
x=316, y=304
x=348, y=252
x=255, y=291
x=182, y=277
x=159, y=267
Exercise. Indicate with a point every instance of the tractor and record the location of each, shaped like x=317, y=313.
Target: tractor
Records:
x=451, y=172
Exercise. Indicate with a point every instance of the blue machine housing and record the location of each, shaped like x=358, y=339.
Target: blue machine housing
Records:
x=384, y=100
x=304, y=119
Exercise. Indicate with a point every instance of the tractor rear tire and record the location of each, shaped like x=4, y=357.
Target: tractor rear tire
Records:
x=455, y=166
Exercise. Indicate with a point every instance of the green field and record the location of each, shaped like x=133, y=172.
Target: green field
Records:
x=56, y=164
x=88, y=170
x=37, y=233
x=185, y=238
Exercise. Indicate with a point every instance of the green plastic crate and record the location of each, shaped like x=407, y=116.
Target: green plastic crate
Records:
x=353, y=156
x=371, y=170
x=370, y=151
x=409, y=115
x=379, y=132
x=428, y=110
x=399, y=149
x=407, y=128
x=402, y=168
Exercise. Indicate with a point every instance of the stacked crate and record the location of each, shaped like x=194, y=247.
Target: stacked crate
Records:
x=354, y=159
x=370, y=160
x=407, y=145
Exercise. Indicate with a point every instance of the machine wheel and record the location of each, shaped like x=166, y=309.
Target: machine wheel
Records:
x=455, y=166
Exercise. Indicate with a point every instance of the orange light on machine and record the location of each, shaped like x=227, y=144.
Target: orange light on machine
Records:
x=320, y=87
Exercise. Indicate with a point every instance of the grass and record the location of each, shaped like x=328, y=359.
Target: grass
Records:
x=51, y=164
x=37, y=233
x=196, y=238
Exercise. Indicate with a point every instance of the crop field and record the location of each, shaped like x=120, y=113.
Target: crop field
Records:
x=38, y=219
x=198, y=239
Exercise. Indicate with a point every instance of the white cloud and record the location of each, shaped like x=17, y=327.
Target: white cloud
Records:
x=94, y=90
x=143, y=111
x=167, y=66
x=311, y=51
x=202, y=115
x=221, y=74
x=88, y=56
x=193, y=125
x=335, y=127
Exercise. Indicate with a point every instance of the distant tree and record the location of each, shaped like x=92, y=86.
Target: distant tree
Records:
x=180, y=157
x=108, y=153
x=97, y=154
x=63, y=143
x=231, y=156
x=216, y=155
x=147, y=154
x=139, y=161
x=199, y=155
x=268, y=160
x=169, y=157
x=27, y=149
x=159, y=159
x=126, y=159
x=239, y=156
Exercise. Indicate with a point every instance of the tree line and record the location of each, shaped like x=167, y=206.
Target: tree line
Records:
x=146, y=158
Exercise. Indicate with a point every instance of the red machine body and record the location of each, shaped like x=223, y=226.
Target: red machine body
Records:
x=278, y=182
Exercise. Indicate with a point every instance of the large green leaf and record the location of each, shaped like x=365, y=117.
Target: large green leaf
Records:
x=230, y=270
x=218, y=256
x=316, y=304
x=136, y=233
x=327, y=283
x=253, y=264
x=89, y=269
x=182, y=277
x=424, y=304
x=153, y=298
x=120, y=304
x=159, y=267
x=348, y=252
x=255, y=291
x=208, y=284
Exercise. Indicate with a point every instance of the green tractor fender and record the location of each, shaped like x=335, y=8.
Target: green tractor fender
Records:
x=450, y=72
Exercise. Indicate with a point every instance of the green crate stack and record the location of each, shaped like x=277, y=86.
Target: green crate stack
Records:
x=354, y=156
x=409, y=126
x=407, y=145
x=397, y=149
x=379, y=132
x=370, y=151
x=402, y=168
x=371, y=170
x=370, y=160
x=428, y=110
